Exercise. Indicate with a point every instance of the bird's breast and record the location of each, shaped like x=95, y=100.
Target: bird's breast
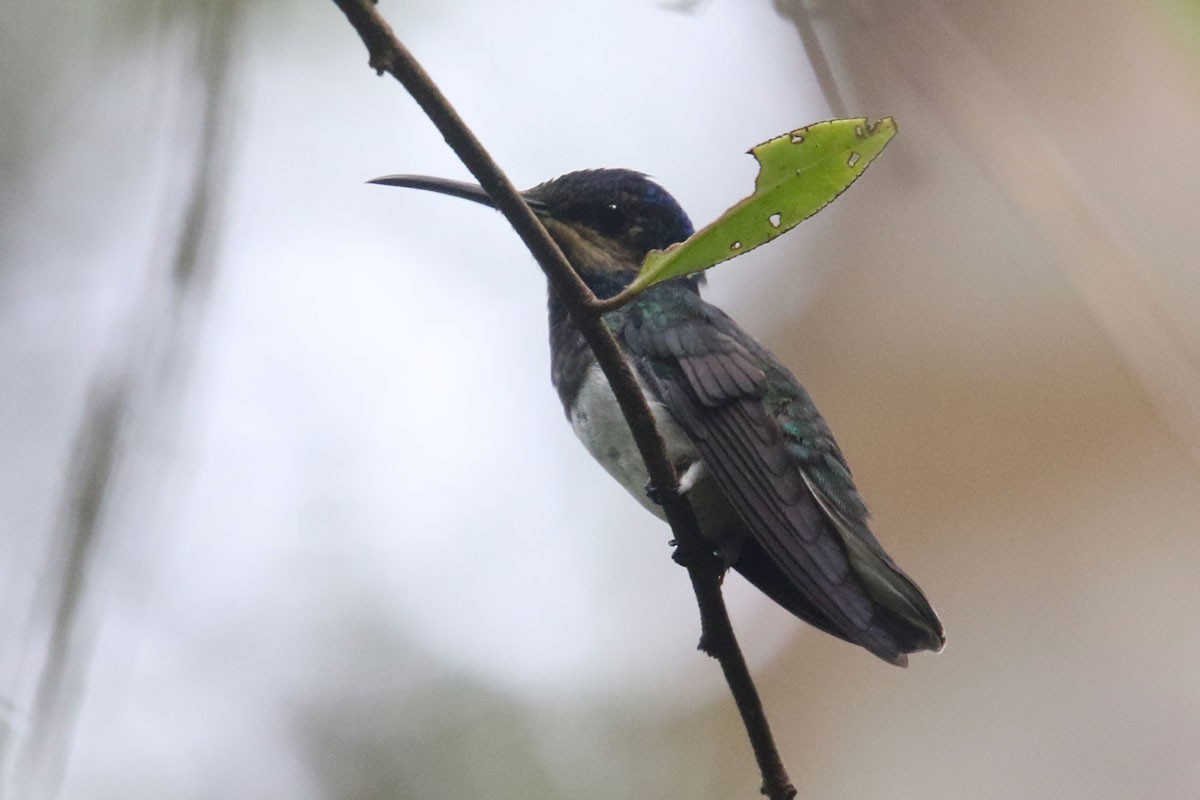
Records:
x=597, y=420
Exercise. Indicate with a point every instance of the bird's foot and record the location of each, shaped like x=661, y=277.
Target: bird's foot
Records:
x=690, y=477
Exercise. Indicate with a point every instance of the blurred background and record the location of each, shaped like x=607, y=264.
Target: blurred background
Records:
x=287, y=504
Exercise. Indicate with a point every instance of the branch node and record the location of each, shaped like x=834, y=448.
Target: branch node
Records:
x=785, y=792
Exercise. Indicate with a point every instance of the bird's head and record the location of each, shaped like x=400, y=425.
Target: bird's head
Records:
x=604, y=220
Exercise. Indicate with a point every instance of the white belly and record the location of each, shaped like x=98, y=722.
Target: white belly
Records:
x=599, y=424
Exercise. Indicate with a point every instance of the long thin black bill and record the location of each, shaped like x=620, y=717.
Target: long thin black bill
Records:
x=467, y=191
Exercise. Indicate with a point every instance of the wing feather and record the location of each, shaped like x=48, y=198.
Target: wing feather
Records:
x=718, y=385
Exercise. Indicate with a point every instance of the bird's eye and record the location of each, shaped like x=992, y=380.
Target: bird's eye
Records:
x=610, y=219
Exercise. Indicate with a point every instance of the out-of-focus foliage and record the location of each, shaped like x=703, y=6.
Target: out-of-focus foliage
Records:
x=1181, y=18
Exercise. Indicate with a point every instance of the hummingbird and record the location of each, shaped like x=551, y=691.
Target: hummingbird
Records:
x=769, y=486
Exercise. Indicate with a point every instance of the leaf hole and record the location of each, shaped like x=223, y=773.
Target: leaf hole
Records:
x=858, y=131
x=775, y=219
x=854, y=157
x=797, y=138
x=735, y=246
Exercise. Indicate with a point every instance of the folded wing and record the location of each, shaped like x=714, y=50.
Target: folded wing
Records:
x=772, y=455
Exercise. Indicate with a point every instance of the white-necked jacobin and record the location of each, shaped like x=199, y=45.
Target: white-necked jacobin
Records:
x=768, y=483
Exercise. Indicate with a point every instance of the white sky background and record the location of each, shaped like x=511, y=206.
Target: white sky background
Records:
x=369, y=432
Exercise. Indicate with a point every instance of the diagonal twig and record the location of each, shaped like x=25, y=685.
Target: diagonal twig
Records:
x=801, y=16
x=387, y=54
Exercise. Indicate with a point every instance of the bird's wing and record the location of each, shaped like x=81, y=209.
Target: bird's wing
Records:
x=774, y=458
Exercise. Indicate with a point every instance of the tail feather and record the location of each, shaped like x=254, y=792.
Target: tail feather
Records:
x=892, y=634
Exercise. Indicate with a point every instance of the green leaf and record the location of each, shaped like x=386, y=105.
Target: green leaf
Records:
x=799, y=174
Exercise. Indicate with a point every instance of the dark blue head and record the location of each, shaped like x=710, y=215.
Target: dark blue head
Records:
x=605, y=220
x=617, y=204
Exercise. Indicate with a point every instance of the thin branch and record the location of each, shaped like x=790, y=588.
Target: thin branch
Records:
x=802, y=17
x=387, y=54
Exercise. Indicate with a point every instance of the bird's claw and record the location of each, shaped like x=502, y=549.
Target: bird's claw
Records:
x=690, y=477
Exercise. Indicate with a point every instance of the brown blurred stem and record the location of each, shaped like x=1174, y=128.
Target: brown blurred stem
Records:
x=387, y=54
x=817, y=60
